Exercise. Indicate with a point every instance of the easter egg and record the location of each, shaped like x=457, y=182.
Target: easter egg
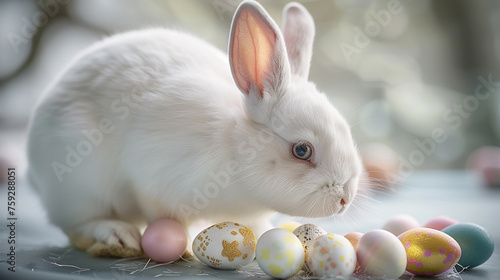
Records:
x=380, y=253
x=354, y=238
x=306, y=234
x=476, y=243
x=440, y=222
x=279, y=253
x=225, y=245
x=429, y=251
x=164, y=240
x=400, y=223
x=331, y=255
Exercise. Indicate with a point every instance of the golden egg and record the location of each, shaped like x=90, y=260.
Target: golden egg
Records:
x=429, y=252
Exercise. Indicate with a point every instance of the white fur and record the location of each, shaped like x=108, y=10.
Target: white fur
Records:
x=178, y=118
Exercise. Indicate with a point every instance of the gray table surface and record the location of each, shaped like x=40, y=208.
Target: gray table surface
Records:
x=42, y=250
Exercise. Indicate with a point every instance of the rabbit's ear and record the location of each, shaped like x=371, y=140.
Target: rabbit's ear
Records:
x=298, y=30
x=257, y=53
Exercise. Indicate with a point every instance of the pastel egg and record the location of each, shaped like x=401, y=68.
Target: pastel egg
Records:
x=429, y=251
x=306, y=234
x=331, y=255
x=279, y=253
x=476, y=243
x=225, y=245
x=400, y=223
x=381, y=254
x=440, y=222
x=164, y=240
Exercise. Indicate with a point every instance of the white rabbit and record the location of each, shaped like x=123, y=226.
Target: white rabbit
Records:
x=159, y=124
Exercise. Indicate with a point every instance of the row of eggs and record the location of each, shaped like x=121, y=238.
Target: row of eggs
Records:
x=281, y=253
x=476, y=243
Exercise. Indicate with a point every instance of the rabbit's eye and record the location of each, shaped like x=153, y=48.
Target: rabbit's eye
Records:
x=302, y=150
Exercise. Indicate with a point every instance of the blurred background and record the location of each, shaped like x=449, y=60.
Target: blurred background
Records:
x=419, y=81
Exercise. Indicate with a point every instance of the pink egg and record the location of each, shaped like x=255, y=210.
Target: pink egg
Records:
x=400, y=223
x=164, y=240
x=440, y=222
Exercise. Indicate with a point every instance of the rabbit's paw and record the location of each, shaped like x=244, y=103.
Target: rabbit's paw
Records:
x=107, y=238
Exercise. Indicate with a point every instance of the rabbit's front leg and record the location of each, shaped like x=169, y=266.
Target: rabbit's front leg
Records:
x=107, y=238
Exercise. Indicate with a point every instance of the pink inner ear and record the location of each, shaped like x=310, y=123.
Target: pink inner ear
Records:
x=252, y=50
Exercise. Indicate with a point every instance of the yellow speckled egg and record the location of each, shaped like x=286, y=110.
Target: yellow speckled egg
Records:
x=331, y=255
x=429, y=252
x=279, y=253
x=225, y=245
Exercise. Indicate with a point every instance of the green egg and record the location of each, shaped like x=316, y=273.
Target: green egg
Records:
x=476, y=243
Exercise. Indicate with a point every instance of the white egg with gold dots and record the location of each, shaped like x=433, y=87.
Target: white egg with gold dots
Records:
x=225, y=245
x=331, y=255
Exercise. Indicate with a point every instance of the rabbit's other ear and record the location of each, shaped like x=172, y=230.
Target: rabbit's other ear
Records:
x=257, y=52
x=298, y=30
